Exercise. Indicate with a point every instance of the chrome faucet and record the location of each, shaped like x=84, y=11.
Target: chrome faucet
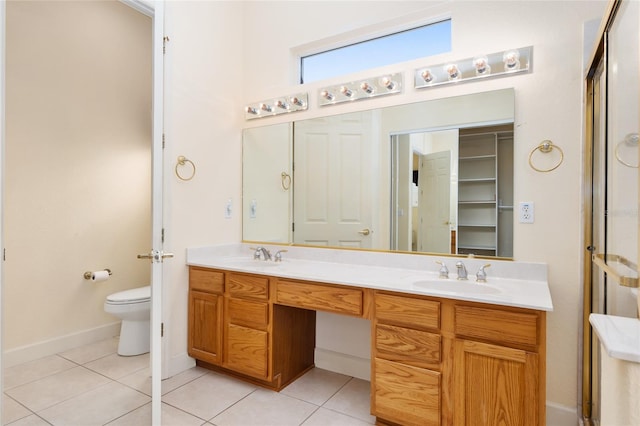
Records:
x=462, y=271
x=265, y=254
x=481, y=276
x=443, y=272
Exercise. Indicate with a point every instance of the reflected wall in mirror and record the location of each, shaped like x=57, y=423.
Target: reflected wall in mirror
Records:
x=354, y=176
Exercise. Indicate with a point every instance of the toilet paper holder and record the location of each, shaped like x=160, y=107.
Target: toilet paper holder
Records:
x=88, y=274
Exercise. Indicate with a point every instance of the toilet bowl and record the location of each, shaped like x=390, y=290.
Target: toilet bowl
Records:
x=133, y=307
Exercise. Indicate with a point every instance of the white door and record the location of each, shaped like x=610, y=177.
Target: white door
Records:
x=333, y=182
x=434, y=185
x=157, y=254
x=157, y=208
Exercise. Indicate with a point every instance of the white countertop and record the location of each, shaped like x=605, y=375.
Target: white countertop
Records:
x=620, y=336
x=509, y=283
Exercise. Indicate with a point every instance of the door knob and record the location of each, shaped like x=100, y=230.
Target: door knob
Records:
x=365, y=231
x=155, y=256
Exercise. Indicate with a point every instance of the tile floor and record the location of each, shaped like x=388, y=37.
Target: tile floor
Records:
x=92, y=385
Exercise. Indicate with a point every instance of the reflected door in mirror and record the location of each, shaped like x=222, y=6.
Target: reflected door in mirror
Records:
x=333, y=181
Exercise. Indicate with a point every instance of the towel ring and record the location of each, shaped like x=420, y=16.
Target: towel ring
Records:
x=630, y=140
x=285, y=181
x=545, y=147
x=182, y=160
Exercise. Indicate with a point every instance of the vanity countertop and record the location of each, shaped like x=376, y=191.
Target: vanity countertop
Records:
x=509, y=283
x=620, y=336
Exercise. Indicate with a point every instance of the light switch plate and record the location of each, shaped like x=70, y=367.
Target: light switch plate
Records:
x=228, y=209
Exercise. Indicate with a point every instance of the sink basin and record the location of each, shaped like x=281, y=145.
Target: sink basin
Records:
x=455, y=286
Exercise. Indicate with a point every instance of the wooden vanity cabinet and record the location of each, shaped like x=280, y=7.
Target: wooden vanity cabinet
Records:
x=498, y=365
x=434, y=361
x=206, y=300
x=247, y=325
x=447, y=362
x=235, y=327
x=406, y=360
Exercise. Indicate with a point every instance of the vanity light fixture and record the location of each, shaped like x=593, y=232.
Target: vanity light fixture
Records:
x=383, y=85
x=499, y=64
x=282, y=105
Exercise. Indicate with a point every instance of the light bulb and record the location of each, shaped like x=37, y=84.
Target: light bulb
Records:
x=428, y=76
x=481, y=64
x=328, y=96
x=297, y=101
x=366, y=87
x=251, y=110
x=346, y=91
x=511, y=60
x=453, y=72
x=388, y=83
x=281, y=104
x=266, y=108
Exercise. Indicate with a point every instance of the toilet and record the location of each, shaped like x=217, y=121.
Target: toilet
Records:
x=133, y=307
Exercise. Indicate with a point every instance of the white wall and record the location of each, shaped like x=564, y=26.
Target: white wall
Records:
x=548, y=106
x=78, y=161
x=203, y=121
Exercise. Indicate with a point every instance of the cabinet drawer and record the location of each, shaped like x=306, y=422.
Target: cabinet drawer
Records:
x=406, y=395
x=407, y=345
x=206, y=280
x=409, y=311
x=248, y=312
x=343, y=300
x=495, y=325
x=247, y=351
x=249, y=286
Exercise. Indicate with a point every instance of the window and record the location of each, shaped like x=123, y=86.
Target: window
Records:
x=403, y=46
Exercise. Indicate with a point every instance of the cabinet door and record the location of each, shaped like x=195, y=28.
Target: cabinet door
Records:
x=247, y=351
x=494, y=385
x=205, y=326
x=406, y=395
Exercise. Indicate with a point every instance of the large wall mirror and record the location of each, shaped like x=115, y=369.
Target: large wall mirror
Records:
x=433, y=176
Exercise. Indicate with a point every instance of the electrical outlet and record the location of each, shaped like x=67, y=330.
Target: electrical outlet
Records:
x=526, y=212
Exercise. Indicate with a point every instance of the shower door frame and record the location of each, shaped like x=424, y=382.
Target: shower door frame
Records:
x=596, y=118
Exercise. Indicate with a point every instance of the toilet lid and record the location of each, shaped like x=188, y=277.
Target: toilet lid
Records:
x=133, y=295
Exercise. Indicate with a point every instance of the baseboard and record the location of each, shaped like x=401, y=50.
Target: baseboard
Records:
x=343, y=363
x=59, y=344
x=560, y=415
x=178, y=364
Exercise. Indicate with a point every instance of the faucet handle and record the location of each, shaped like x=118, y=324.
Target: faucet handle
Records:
x=256, y=252
x=278, y=255
x=443, y=272
x=481, y=276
